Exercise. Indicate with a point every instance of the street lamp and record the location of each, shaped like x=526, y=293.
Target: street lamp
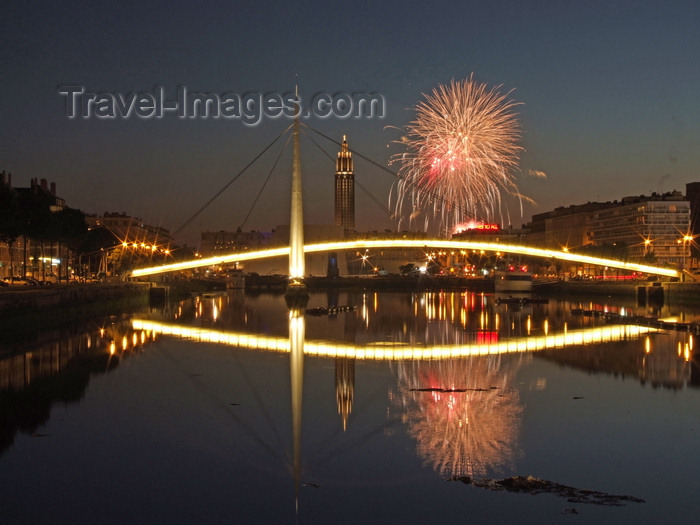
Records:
x=686, y=240
x=683, y=242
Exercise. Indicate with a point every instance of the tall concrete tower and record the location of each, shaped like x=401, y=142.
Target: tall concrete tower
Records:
x=296, y=295
x=344, y=189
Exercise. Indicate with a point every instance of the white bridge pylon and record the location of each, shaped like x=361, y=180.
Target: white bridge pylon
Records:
x=408, y=243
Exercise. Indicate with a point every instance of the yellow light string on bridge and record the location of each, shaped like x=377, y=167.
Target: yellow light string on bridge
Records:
x=408, y=243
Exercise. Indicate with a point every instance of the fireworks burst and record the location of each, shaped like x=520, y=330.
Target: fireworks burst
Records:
x=462, y=150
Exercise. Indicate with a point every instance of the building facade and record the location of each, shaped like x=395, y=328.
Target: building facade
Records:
x=25, y=256
x=655, y=227
x=132, y=230
x=222, y=242
x=646, y=225
x=564, y=227
x=135, y=243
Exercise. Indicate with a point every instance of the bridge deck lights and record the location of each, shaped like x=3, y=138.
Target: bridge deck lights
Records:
x=410, y=243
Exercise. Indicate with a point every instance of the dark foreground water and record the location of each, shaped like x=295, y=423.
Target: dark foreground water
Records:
x=408, y=409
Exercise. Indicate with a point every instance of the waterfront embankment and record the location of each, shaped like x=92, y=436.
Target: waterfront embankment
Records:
x=23, y=299
x=396, y=283
x=24, y=309
x=670, y=293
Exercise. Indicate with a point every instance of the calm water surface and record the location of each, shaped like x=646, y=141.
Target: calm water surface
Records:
x=229, y=409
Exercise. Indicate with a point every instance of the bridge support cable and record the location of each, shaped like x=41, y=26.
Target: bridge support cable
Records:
x=274, y=166
x=235, y=177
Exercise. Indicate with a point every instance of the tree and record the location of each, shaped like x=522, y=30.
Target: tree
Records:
x=67, y=228
x=649, y=258
x=10, y=221
x=408, y=269
x=35, y=218
x=96, y=243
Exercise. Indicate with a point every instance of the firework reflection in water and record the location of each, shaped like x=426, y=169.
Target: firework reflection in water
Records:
x=462, y=151
x=464, y=414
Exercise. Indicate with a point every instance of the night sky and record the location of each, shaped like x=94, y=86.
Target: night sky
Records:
x=608, y=92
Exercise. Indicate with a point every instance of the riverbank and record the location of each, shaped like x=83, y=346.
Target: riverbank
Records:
x=22, y=299
x=679, y=293
x=397, y=283
x=23, y=309
x=676, y=293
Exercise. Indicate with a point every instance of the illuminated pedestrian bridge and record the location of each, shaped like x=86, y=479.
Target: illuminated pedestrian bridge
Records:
x=410, y=243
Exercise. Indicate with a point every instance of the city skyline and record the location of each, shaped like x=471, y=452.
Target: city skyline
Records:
x=606, y=95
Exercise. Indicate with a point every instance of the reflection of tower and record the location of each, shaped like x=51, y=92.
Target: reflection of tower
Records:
x=344, y=189
x=344, y=387
x=344, y=367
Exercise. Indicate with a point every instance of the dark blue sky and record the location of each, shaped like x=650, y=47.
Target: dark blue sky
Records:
x=609, y=94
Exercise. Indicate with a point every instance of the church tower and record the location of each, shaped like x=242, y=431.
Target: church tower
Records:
x=344, y=189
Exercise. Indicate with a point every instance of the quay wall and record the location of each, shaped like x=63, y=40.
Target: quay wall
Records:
x=574, y=288
x=19, y=301
x=399, y=283
x=682, y=293
x=676, y=293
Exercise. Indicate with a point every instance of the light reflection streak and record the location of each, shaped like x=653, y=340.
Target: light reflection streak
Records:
x=398, y=351
x=297, y=330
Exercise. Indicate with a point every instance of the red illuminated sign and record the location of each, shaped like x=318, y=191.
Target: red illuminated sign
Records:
x=490, y=227
x=474, y=227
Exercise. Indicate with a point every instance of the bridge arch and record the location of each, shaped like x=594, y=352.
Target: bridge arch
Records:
x=410, y=243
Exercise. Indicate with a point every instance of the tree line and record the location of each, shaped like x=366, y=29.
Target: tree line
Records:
x=26, y=215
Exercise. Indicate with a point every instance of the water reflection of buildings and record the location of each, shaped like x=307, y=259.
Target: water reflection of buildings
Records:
x=455, y=385
x=669, y=365
x=57, y=369
x=455, y=391
x=431, y=325
x=660, y=360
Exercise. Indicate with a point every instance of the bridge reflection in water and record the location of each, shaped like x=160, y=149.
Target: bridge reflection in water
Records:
x=391, y=351
x=455, y=356
x=458, y=401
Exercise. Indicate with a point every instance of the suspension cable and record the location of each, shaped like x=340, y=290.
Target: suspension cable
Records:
x=255, y=201
x=217, y=194
x=359, y=185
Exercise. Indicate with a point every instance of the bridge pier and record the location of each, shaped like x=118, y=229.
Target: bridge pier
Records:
x=650, y=295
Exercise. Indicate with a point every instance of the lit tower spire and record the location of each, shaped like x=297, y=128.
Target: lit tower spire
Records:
x=344, y=189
